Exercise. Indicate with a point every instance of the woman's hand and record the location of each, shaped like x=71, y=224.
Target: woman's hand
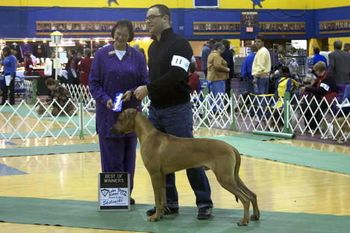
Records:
x=109, y=104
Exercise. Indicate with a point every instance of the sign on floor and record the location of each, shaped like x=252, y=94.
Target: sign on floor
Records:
x=114, y=191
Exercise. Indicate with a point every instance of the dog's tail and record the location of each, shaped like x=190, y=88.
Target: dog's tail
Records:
x=237, y=166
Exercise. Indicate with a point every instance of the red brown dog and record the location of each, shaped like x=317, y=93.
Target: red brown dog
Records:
x=163, y=154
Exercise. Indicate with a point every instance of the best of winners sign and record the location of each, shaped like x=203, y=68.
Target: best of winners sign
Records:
x=114, y=191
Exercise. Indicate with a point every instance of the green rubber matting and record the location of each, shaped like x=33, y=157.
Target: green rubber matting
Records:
x=329, y=161
x=49, y=150
x=85, y=214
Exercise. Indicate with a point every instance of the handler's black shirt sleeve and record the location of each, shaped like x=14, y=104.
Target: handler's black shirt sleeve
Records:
x=168, y=84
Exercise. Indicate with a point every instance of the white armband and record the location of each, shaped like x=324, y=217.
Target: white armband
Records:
x=180, y=62
x=324, y=86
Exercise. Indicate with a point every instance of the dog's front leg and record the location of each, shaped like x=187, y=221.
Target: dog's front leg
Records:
x=158, y=187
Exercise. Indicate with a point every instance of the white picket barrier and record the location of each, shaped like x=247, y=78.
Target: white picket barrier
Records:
x=242, y=113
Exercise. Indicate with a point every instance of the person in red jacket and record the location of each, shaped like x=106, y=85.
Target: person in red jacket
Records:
x=193, y=78
x=84, y=67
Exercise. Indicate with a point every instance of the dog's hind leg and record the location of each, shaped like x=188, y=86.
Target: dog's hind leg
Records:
x=252, y=196
x=158, y=188
x=232, y=186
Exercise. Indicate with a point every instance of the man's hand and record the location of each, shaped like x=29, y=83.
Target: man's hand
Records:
x=109, y=104
x=127, y=95
x=141, y=92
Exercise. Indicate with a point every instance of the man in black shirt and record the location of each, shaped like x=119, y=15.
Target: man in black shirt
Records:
x=171, y=110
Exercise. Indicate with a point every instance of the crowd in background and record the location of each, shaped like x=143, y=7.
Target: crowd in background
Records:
x=265, y=71
x=275, y=72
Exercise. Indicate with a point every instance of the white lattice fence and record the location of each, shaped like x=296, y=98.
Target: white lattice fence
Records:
x=40, y=120
x=80, y=93
x=242, y=113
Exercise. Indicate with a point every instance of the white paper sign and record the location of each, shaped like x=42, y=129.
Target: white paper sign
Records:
x=8, y=79
x=114, y=191
x=114, y=197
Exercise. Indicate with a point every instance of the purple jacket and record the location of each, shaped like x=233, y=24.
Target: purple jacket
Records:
x=108, y=76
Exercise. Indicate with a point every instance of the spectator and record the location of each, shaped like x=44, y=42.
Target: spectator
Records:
x=228, y=57
x=9, y=63
x=60, y=97
x=218, y=73
x=193, y=78
x=207, y=47
x=339, y=67
x=141, y=50
x=246, y=70
x=72, y=67
x=318, y=57
x=261, y=68
x=323, y=87
x=284, y=84
x=344, y=104
x=28, y=64
x=84, y=67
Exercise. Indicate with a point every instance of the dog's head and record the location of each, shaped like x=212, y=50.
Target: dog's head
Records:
x=126, y=122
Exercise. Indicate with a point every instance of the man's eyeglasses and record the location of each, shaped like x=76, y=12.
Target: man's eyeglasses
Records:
x=152, y=17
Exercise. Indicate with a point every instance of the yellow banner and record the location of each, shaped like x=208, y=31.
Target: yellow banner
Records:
x=223, y=4
x=318, y=4
x=98, y=3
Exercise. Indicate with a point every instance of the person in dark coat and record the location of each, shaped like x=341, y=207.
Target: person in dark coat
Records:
x=227, y=55
x=339, y=66
x=171, y=109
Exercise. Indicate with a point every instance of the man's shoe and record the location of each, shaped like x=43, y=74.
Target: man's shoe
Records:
x=204, y=213
x=167, y=211
x=132, y=201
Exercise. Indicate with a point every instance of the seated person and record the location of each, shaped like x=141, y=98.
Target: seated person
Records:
x=344, y=106
x=340, y=126
x=284, y=84
x=61, y=95
x=323, y=87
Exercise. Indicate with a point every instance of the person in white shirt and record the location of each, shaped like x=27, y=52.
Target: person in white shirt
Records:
x=261, y=68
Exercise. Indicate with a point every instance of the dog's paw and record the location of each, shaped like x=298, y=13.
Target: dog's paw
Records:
x=243, y=222
x=254, y=217
x=153, y=218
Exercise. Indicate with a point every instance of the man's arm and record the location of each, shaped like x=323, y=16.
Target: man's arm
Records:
x=331, y=66
x=181, y=53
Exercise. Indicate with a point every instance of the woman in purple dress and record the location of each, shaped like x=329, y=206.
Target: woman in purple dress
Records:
x=117, y=68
